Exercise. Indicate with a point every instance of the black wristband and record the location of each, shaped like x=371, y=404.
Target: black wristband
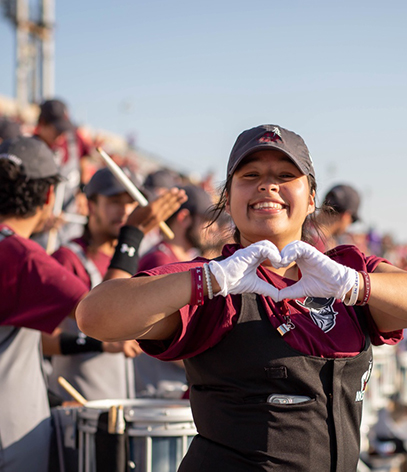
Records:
x=71, y=343
x=126, y=254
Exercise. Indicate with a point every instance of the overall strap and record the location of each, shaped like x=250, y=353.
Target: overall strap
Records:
x=5, y=233
x=90, y=267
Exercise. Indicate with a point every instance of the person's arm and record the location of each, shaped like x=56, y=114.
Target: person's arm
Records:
x=62, y=343
x=138, y=308
x=388, y=299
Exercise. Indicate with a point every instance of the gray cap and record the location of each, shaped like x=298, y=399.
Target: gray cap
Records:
x=33, y=155
x=162, y=178
x=199, y=201
x=344, y=198
x=103, y=182
x=271, y=137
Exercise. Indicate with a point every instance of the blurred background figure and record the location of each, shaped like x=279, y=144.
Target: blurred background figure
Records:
x=155, y=184
x=71, y=151
x=161, y=180
x=53, y=121
x=9, y=129
x=339, y=210
x=104, y=371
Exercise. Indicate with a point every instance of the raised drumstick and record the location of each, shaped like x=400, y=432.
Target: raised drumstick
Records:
x=130, y=187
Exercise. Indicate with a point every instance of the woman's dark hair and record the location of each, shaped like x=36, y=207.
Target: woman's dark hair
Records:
x=20, y=196
x=310, y=224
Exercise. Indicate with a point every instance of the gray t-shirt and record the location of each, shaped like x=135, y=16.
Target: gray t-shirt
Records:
x=25, y=425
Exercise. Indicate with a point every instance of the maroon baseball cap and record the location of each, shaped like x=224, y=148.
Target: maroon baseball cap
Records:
x=55, y=112
x=271, y=137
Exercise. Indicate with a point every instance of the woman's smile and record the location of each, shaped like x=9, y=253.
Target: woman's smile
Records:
x=268, y=206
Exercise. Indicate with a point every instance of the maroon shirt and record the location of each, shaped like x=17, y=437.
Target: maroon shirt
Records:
x=71, y=261
x=159, y=255
x=36, y=292
x=204, y=326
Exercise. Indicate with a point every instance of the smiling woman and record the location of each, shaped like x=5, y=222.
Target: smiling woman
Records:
x=272, y=340
x=269, y=196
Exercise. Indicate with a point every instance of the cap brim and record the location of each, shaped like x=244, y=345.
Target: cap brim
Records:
x=63, y=125
x=265, y=147
x=110, y=192
x=107, y=192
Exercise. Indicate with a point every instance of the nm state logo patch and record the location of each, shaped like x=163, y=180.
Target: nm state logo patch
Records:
x=321, y=311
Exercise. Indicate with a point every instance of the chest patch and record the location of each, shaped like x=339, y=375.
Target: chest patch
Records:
x=321, y=311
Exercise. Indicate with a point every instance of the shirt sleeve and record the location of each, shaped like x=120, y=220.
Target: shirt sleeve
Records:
x=44, y=292
x=67, y=259
x=351, y=256
x=377, y=337
x=154, y=259
x=72, y=263
x=201, y=326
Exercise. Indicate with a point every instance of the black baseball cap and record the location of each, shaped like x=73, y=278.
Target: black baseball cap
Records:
x=343, y=198
x=33, y=155
x=55, y=112
x=266, y=137
x=103, y=182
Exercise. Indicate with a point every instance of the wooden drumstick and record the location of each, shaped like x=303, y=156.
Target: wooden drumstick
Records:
x=130, y=187
x=74, y=393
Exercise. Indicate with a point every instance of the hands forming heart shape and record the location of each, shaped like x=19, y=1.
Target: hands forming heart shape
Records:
x=321, y=276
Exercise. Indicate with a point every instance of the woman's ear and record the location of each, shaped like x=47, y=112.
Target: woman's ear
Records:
x=227, y=204
x=311, y=203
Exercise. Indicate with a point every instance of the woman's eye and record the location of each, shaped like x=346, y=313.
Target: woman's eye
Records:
x=287, y=175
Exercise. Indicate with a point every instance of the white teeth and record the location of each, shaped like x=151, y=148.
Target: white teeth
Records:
x=260, y=206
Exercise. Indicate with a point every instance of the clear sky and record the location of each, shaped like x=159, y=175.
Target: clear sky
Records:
x=187, y=77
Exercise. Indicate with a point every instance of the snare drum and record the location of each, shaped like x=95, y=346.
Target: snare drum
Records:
x=64, y=450
x=155, y=436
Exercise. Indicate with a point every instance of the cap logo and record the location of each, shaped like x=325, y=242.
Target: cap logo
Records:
x=11, y=157
x=271, y=136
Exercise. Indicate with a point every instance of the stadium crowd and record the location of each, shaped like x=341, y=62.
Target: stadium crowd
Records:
x=91, y=231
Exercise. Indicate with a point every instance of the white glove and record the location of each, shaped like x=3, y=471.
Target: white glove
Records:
x=237, y=273
x=321, y=276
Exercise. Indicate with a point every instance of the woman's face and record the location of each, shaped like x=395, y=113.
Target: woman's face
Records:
x=269, y=198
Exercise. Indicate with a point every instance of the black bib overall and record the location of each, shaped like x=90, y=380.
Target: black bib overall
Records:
x=239, y=431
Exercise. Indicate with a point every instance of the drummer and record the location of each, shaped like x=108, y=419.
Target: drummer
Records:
x=100, y=370
x=36, y=293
